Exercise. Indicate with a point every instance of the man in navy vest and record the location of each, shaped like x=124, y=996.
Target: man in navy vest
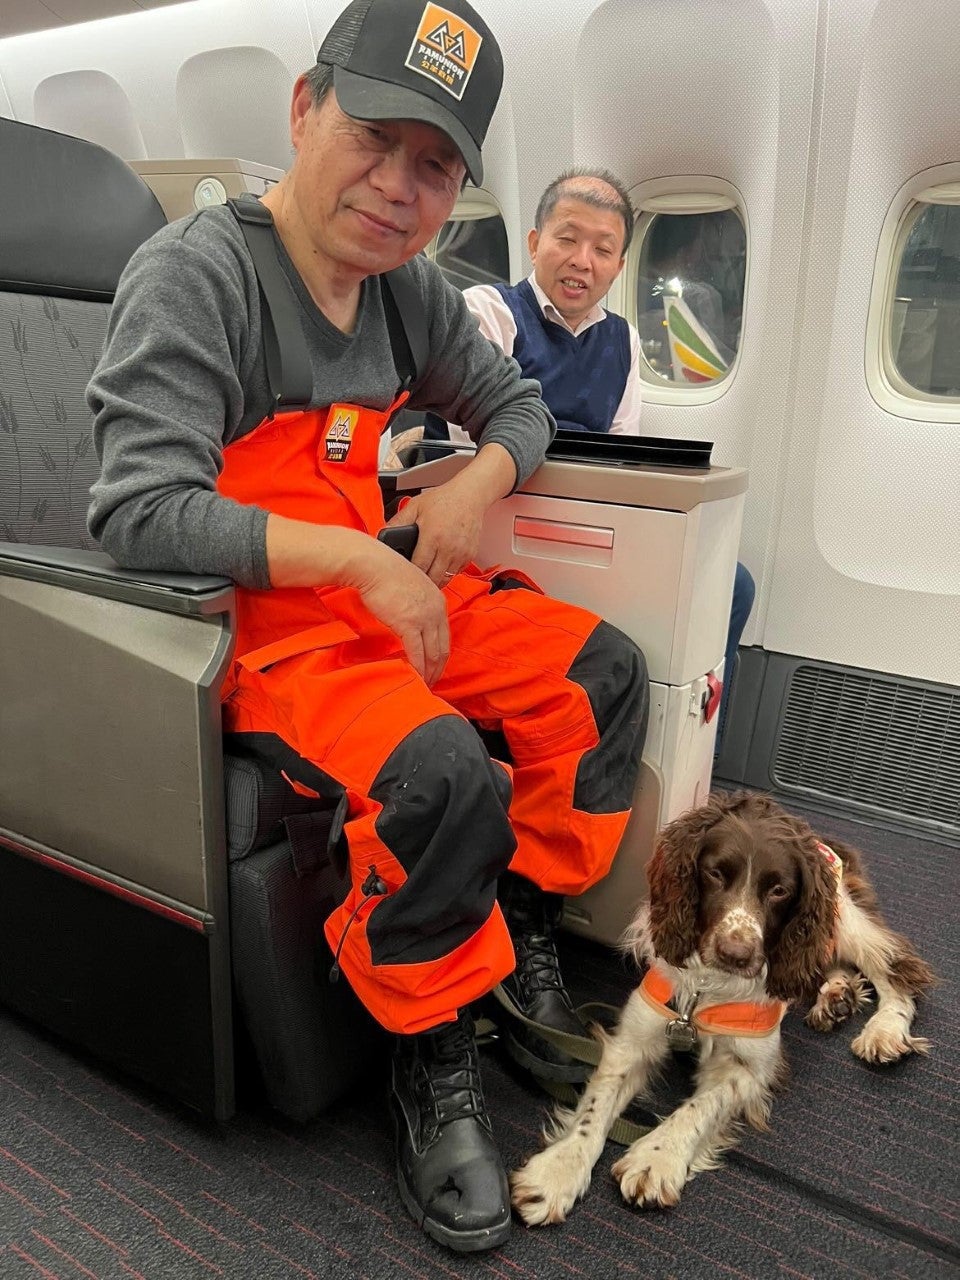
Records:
x=586, y=360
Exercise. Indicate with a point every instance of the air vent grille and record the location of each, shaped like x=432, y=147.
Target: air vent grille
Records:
x=872, y=740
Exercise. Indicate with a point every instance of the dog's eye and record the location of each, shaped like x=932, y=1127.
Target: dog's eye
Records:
x=778, y=892
x=714, y=875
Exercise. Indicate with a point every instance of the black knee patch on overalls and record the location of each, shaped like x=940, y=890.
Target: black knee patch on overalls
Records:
x=445, y=820
x=612, y=671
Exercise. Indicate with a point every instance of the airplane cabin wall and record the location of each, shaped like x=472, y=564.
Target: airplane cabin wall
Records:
x=724, y=90
x=816, y=111
x=867, y=565
x=144, y=53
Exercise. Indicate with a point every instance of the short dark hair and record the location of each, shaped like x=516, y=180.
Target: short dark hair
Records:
x=576, y=184
x=320, y=80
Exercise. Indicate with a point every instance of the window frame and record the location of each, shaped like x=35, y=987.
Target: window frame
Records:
x=678, y=195
x=887, y=386
x=473, y=204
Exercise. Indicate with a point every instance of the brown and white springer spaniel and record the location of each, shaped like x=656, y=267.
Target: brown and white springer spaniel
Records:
x=747, y=911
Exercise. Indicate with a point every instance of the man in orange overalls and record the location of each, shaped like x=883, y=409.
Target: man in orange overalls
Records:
x=372, y=673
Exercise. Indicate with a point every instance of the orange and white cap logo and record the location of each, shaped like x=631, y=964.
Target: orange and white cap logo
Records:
x=444, y=49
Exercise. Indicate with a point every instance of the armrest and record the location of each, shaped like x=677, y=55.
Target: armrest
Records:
x=95, y=574
x=662, y=488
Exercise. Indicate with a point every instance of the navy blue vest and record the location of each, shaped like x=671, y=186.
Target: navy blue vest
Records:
x=583, y=378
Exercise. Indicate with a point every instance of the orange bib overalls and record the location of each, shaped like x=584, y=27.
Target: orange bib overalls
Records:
x=426, y=807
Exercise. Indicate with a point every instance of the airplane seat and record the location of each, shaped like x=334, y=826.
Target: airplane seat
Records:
x=133, y=852
x=70, y=221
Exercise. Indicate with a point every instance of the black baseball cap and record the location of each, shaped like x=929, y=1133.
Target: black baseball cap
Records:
x=416, y=60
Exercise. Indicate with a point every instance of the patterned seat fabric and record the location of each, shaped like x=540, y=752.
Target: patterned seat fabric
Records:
x=48, y=349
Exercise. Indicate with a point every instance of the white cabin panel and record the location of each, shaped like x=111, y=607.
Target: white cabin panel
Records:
x=144, y=52
x=868, y=547
x=91, y=105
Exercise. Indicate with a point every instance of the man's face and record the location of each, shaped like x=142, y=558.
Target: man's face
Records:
x=577, y=256
x=370, y=195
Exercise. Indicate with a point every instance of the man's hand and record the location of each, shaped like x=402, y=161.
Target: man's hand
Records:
x=396, y=592
x=450, y=517
x=405, y=600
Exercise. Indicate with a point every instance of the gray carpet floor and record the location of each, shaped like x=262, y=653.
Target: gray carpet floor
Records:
x=858, y=1177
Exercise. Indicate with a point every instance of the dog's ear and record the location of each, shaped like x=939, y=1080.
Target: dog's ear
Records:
x=799, y=956
x=674, y=883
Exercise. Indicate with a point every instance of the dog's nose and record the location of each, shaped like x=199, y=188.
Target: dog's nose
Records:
x=735, y=952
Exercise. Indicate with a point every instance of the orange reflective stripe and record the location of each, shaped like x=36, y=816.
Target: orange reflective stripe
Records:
x=300, y=788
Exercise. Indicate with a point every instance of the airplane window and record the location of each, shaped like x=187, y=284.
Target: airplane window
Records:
x=690, y=288
x=924, y=333
x=472, y=251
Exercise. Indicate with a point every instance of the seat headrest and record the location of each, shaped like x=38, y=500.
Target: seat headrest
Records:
x=71, y=215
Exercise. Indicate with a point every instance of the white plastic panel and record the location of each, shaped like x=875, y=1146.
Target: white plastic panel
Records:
x=19, y=16
x=91, y=105
x=635, y=583
x=236, y=102
x=663, y=577
x=144, y=51
x=866, y=570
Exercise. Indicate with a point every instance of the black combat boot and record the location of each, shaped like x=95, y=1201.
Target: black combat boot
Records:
x=535, y=987
x=451, y=1177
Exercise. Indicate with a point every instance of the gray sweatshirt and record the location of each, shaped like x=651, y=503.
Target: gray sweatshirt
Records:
x=183, y=374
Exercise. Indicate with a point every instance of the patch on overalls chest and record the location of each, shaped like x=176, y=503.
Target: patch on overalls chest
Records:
x=338, y=436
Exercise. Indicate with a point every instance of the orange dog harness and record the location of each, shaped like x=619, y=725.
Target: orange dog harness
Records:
x=734, y=1018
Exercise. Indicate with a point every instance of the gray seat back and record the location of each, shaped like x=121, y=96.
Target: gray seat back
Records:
x=70, y=218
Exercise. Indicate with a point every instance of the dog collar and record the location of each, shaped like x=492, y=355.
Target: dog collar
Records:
x=734, y=1018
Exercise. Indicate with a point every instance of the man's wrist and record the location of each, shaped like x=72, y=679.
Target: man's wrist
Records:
x=492, y=474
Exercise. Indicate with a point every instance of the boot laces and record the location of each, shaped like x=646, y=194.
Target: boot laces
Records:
x=538, y=965
x=451, y=1077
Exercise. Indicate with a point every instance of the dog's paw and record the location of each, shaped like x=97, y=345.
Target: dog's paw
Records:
x=887, y=1039
x=545, y=1189
x=840, y=996
x=650, y=1176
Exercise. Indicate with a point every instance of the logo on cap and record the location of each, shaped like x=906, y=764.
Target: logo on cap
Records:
x=444, y=49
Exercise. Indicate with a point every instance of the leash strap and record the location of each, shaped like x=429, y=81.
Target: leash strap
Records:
x=623, y=1132
x=583, y=1048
